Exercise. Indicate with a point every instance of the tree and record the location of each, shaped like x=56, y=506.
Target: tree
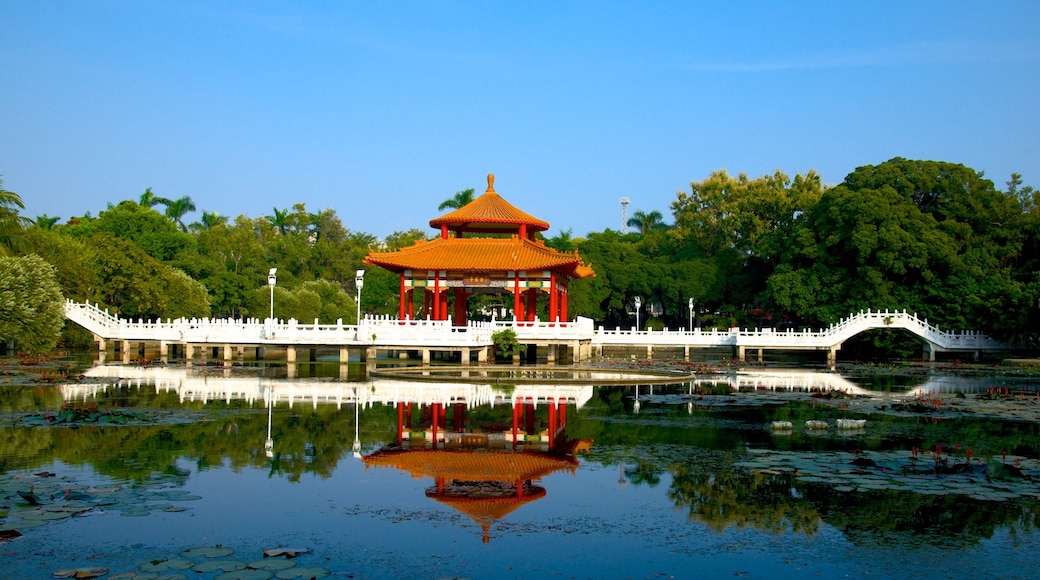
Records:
x=177, y=208
x=12, y=225
x=208, y=221
x=646, y=222
x=933, y=238
x=279, y=220
x=129, y=281
x=31, y=304
x=46, y=222
x=148, y=229
x=460, y=200
x=150, y=200
x=187, y=298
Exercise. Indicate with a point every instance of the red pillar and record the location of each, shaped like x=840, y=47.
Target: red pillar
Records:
x=552, y=423
x=517, y=407
x=460, y=306
x=411, y=304
x=529, y=416
x=563, y=305
x=400, y=424
x=458, y=417
x=437, y=296
x=518, y=305
x=436, y=422
x=404, y=297
x=554, y=314
x=532, y=304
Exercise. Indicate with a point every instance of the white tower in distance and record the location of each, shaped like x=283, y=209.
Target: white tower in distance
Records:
x=624, y=215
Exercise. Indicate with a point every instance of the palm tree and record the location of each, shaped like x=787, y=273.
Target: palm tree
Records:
x=645, y=222
x=209, y=220
x=12, y=225
x=46, y=222
x=176, y=208
x=462, y=198
x=280, y=220
x=150, y=200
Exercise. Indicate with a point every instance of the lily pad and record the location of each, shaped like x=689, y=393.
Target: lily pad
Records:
x=80, y=573
x=311, y=572
x=166, y=565
x=222, y=565
x=284, y=552
x=272, y=564
x=246, y=574
x=207, y=552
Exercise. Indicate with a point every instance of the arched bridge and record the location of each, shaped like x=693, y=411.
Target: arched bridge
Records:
x=581, y=336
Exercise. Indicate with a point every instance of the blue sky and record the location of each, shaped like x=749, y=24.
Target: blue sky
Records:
x=380, y=111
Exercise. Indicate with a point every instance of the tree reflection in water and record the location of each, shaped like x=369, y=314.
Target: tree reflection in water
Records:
x=699, y=443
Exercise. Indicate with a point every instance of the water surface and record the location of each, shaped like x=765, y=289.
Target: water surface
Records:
x=637, y=482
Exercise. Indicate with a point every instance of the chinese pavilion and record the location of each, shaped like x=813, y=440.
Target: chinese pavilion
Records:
x=461, y=263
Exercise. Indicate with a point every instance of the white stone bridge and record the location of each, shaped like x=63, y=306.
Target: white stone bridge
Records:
x=396, y=337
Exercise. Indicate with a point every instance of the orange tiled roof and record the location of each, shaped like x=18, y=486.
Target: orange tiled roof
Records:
x=486, y=510
x=487, y=254
x=489, y=213
x=469, y=466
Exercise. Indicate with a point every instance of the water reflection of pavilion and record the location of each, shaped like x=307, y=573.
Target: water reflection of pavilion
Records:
x=484, y=470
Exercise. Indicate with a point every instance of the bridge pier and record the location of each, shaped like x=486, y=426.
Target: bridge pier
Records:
x=832, y=356
x=928, y=352
x=290, y=354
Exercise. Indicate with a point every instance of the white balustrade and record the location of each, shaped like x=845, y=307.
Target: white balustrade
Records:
x=384, y=330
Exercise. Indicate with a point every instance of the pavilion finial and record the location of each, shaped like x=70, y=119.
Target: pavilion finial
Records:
x=491, y=182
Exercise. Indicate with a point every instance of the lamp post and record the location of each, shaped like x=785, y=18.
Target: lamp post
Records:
x=639, y=303
x=691, y=314
x=271, y=281
x=359, y=281
x=356, y=448
x=269, y=442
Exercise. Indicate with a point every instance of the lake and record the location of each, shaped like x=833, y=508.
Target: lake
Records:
x=196, y=472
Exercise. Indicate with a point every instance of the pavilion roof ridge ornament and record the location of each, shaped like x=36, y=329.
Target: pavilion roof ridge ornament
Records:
x=489, y=213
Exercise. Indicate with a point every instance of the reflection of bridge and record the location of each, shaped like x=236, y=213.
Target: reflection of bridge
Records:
x=225, y=386
x=581, y=338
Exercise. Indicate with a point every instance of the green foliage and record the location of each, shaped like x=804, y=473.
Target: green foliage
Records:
x=148, y=229
x=459, y=200
x=187, y=298
x=930, y=237
x=506, y=343
x=31, y=304
x=12, y=225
